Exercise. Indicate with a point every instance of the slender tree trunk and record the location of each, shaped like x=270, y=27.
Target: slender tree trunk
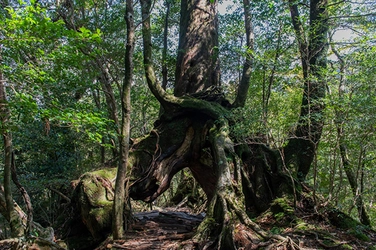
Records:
x=17, y=229
x=247, y=67
x=302, y=146
x=267, y=90
x=121, y=199
x=362, y=213
x=97, y=101
x=112, y=108
x=346, y=164
x=25, y=196
x=300, y=36
x=164, y=52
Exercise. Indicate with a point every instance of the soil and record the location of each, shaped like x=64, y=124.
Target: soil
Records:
x=167, y=229
x=170, y=229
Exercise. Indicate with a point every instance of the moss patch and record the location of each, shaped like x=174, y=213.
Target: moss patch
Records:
x=342, y=220
x=283, y=212
x=96, y=193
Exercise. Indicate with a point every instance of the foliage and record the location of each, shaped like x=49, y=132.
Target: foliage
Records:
x=61, y=123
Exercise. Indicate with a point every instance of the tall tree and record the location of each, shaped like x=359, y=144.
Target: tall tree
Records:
x=302, y=147
x=201, y=139
x=122, y=216
x=340, y=117
x=197, y=66
x=242, y=93
x=203, y=131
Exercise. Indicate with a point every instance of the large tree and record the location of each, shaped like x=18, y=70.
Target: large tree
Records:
x=197, y=126
x=194, y=130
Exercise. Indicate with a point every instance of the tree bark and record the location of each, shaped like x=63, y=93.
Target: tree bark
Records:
x=302, y=146
x=358, y=197
x=121, y=206
x=17, y=229
x=300, y=36
x=25, y=195
x=346, y=164
x=164, y=52
x=197, y=66
x=112, y=107
x=242, y=92
x=194, y=132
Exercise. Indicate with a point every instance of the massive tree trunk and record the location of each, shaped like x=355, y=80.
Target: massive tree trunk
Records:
x=193, y=132
x=197, y=66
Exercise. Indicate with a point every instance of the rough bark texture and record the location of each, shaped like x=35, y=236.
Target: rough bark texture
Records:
x=232, y=184
x=301, y=149
x=242, y=93
x=194, y=132
x=121, y=209
x=197, y=66
x=200, y=138
x=166, y=150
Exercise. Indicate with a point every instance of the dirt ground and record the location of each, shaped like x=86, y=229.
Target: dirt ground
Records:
x=170, y=230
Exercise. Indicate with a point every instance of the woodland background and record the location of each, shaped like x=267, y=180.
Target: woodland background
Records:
x=62, y=66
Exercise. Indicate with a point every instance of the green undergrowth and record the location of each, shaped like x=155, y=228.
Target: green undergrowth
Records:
x=283, y=212
x=327, y=226
x=353, y=227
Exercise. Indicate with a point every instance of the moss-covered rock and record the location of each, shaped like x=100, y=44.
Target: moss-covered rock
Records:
x=95, y=194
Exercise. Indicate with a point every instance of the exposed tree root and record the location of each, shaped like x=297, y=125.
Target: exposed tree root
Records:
x=226, y=211
x=287, y=243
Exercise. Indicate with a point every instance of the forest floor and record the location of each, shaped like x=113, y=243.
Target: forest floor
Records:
x=170, y=229
x=158, y=229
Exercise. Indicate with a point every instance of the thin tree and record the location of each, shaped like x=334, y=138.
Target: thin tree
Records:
x=121, y=199
x=17, y=229
x=346, y=163
x=313, y=48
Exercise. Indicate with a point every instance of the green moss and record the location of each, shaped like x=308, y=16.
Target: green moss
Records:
x=342, y=220
x=107, y=173
x=346, y=246
x=102, y=215
x=205, y=228
x=276, y=230
x=282, y=205
x=302, y=226
x=358, y=232
x=282, y=211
